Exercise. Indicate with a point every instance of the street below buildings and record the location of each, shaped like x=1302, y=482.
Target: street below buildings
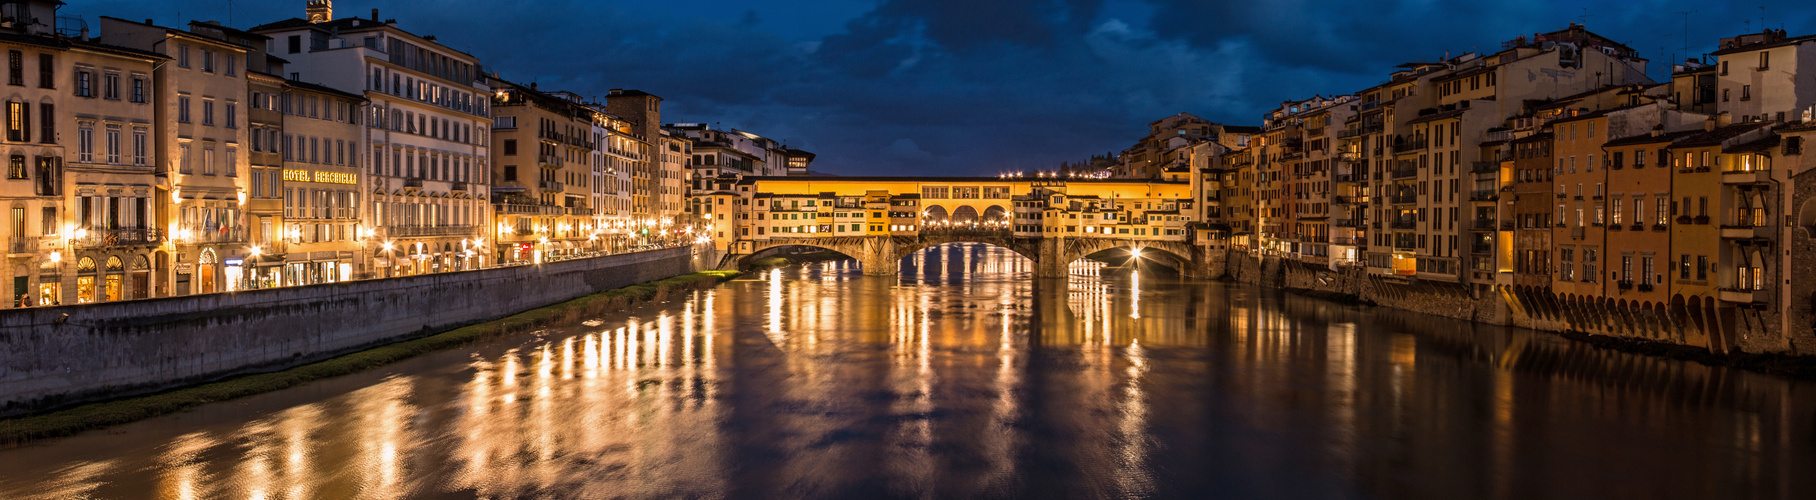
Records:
x=966, y=377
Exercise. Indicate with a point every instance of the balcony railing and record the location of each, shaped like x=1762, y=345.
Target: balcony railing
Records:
x=430, y=231
x=1484, y=224
x=1481, y=249
x=1405, y=173
x=1485, y=195
x=217, y=234
x=581, y=211
x=414, y=182
x=1403, y=224
x=528, y=209
x=554, y=160
x=1348, y=223
x=550, y=185
x=25, y=244
x=1485, y=167
x=457, y=186
x=1404, y=199
x=120, y=237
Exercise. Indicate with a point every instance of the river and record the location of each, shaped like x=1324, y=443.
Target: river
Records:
x=963, y=378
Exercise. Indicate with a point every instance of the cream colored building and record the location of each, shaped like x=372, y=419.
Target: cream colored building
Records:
x=323, y=186
x=198, y=148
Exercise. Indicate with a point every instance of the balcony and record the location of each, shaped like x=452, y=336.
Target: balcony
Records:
x=25, y=245
x=551, y=160
x=1645, y=287
x=1485, y=167
x=1404, y=199
x=1481, y=249
x=1576, y=233
x=1746, y=232
x=1485, y=195
x=1405, y=173
x=1350, y=223
x=550, y=186
x=119, y=237
x=580, y=211
x=1506, y=225
x=1746, y=176
x=430, y=231
x=1348, y=241
x=214, y=234
x=1483, y=224
x=1624, y=284
x=457, y=187
x=1742, y=295
x=1350, y=156
x=528, y=209
x=1403, y=224
x=1351, y=177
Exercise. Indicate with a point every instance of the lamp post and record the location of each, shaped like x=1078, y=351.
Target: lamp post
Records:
x=252, y=258
x=390, y=258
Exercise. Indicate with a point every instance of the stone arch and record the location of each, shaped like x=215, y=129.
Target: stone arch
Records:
x=935, y=213
x=964, y=213
x=996, y=213
x=1806, y=218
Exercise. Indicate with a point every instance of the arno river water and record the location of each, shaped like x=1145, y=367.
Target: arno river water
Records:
x=966, y=378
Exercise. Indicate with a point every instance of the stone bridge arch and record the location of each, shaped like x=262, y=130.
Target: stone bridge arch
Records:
x=1188, y=259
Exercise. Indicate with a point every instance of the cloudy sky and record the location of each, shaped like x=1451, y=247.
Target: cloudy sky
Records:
x=976, y=87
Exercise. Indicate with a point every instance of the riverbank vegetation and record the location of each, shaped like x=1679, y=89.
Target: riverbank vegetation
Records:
x=108, y=413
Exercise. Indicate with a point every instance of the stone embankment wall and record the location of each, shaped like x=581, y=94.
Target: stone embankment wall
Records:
x=57, y=356
x=1695, y=323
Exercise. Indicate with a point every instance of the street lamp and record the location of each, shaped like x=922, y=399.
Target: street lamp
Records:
x=390, y=258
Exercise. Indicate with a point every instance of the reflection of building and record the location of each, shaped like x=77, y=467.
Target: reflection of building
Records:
x=199, y=144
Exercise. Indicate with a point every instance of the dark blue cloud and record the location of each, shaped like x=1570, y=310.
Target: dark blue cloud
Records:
x=977, y=87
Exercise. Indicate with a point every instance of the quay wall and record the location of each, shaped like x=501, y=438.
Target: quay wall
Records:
x=58, y=356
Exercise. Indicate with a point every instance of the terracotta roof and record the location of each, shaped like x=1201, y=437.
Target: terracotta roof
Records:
x=1715, y=137
x=1649, y=139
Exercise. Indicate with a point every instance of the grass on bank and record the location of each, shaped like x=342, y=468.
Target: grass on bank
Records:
x=108, y=413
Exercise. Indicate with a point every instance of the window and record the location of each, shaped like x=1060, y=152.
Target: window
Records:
x=113, y=144
x=15, y=67
x=229, y=60
x=139, y=140
x=110, y=86
x=47, y=72
x=183, y=159
x=15, y=169
x=16, y=116
x=182, y=56
x=85, y=84
x=233, y=162
x=208, y=112
x=1765, y=60
x=47, y=123
x=182, y=109
x=1746, y=92
x=207, y=61
x=1725, y=92
x=208, y=161
x=138, y=90
x=296, y=44
x=232, y=115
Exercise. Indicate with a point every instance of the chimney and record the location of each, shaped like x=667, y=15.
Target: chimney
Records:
x=84, y=33
x=374, y=14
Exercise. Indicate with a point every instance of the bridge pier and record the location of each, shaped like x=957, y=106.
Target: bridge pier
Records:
x=879, y=257
x=1051, y=261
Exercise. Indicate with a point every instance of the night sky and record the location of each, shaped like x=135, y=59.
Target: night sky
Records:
x=977, y=87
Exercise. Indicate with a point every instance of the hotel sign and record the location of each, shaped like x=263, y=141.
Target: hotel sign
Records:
x=320, y=176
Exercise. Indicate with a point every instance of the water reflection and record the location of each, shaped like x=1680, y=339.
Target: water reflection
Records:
x=966, y=377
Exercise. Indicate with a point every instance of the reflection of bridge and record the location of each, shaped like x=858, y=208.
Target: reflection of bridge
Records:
x=882, y=254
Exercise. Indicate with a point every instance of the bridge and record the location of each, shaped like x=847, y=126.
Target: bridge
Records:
x=880, y=220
